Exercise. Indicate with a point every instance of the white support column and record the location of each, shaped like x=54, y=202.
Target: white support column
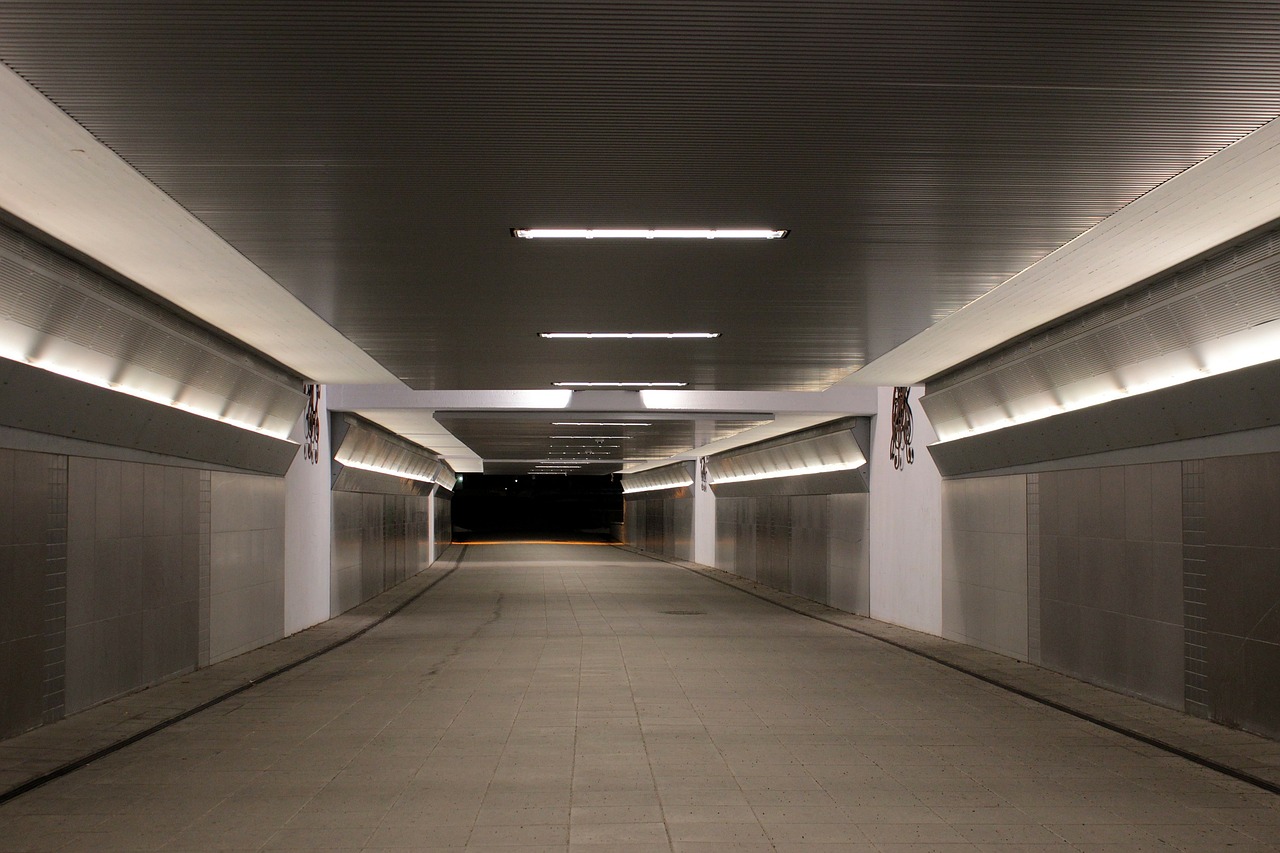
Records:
x=906, y=525
x=432, y=551
x=308, y=531
x=704, y=520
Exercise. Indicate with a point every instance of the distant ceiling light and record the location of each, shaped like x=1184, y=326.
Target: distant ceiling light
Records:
x=619, y=384
x=649, y=233
x=599, y=423
x=629, y=335
x=591, y=436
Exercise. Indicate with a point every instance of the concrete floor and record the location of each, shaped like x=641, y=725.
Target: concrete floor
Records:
x=584, y=698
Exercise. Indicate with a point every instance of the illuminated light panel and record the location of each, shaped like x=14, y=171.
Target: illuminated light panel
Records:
x=629, y=335
x=659, y=487
x=599, y=423
x=619, y=384
x=404, y=475
x=649, y=233
x=591, y=436
x=141, y=394
x=1247, y=348
x=791, y=472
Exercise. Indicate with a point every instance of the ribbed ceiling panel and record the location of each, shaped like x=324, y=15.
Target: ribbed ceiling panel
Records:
x=371, y=157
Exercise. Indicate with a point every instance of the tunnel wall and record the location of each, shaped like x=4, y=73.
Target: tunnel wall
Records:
x=660, y=522
x=379, y=540
x=118, y=574
x=815, y=546
x=1159, y=579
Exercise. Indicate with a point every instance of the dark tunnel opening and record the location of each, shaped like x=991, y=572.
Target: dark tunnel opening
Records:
x=531, y=506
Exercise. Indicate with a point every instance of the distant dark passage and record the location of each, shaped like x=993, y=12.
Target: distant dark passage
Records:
x=487, y=507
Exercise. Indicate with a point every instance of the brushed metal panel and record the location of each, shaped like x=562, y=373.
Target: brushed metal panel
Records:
x=35, y=400
x=55, y=309
x=367, y=154
x=1217, y=405
x=1230, y=290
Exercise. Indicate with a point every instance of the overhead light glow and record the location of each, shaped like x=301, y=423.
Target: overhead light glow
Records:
x=619, y=384
x=649, y=233
x=599, y=423
x=141, y=393
x=629, y=335
x=679, y=484
x=591, y=436
x=404, y=475
x=791, y=472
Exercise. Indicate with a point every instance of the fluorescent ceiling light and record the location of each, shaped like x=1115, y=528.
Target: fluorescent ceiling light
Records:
x=591, y=436
x=599, y=423
x=629, y=335
x=649, y=233
x=791, y=472
x=619, y=384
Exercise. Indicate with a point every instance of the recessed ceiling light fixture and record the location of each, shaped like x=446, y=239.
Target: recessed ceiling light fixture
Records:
x=630, y=335
x=649, y=233
x=591, y=436
x=619, y=384
x=599, y=423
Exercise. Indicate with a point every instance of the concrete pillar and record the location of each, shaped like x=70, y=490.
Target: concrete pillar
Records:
x=906, y=525
x=308, y=531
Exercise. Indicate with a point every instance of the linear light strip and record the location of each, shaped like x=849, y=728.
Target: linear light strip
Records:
x=630, y=335
x=682, y=483
x=141, y=394
x=600, y=423
x=576, y=384
x=649, y=233
x=405, y=475
x=790, y=472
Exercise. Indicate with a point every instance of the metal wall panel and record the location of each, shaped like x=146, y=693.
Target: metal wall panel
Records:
x=1242, y=591
x=1111, y=578
x=815, y=546
x=378, y=541
x=133, y=577
x=27, y=495
x=246, y=581
x=984, y=563
x=56, y=311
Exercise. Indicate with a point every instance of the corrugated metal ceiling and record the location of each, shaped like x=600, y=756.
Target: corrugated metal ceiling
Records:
x=371, y=157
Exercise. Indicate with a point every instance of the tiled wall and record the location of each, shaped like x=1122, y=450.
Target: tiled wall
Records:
x=133, y=583
x=246, y=580
x=811, y=545
x=442, y=506
x=29, y=661
x=661, y=525
x=984, y=563
x=116, y=575
x=378, y=541
x=1111, y=577
x=1160, y=580
x=1242, y=590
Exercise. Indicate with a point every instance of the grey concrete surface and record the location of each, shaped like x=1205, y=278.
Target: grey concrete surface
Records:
x=585, y=698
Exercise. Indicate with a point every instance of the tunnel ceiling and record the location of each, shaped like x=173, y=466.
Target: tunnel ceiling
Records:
x=511, y=443
x=372, y=157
